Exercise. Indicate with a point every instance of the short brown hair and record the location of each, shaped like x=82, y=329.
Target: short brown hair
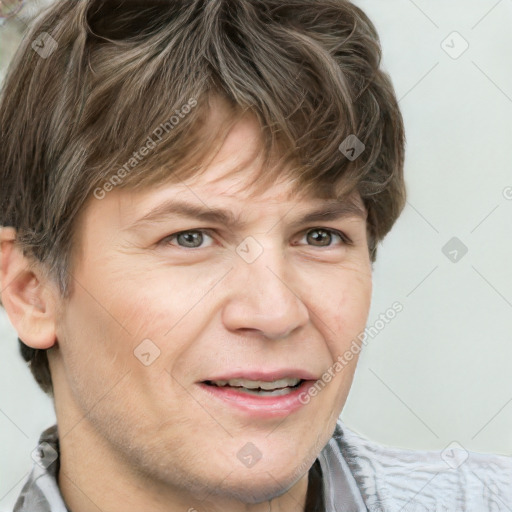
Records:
x=111, y=71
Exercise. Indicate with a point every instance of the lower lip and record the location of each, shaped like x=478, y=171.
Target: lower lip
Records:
x=262, y=406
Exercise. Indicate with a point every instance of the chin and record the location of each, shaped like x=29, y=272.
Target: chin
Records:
x=253, y=490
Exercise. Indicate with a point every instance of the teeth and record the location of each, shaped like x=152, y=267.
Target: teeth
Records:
x=276, y=392
x=255, y=384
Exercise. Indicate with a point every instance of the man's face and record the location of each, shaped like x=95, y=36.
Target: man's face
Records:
x=155, y=318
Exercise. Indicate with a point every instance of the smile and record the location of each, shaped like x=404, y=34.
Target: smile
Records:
x=278, y=387
x=262, y=399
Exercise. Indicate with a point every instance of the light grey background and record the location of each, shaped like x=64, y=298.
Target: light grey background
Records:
x=439, y=371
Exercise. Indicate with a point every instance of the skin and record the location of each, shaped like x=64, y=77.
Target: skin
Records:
x=136, y=437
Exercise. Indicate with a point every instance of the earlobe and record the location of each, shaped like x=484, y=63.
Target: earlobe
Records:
x=27, y=296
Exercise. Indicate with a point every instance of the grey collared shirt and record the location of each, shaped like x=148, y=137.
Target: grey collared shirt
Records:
x=357, y=475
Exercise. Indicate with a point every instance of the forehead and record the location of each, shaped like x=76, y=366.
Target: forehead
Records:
x=219, y=191
x=238, y=163
x=220, y=196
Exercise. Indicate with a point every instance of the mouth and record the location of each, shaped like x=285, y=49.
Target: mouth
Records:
x=279, y=387
x=260, y=395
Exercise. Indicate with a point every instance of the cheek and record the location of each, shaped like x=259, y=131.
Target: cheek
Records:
x=97, y=335
x=121, y=309
x=346, y=304
x=104, y=354
x=95, y=347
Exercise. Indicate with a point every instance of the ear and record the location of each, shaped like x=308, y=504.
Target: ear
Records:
x=27, y=296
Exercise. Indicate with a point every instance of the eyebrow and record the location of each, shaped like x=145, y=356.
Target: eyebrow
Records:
x=332, y=210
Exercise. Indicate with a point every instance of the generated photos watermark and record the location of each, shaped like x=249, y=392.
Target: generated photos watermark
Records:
x=356, y=346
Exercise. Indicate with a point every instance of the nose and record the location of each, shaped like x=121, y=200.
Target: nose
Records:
x=263, y=297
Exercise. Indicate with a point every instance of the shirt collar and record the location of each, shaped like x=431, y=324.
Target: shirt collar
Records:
x=341, y=491
x=41, y=492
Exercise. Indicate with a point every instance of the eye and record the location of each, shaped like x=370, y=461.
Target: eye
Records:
x=190, y=239
x=193, y=238
x=323, y=236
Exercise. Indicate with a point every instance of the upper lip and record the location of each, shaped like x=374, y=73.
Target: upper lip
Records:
x=265, y=375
